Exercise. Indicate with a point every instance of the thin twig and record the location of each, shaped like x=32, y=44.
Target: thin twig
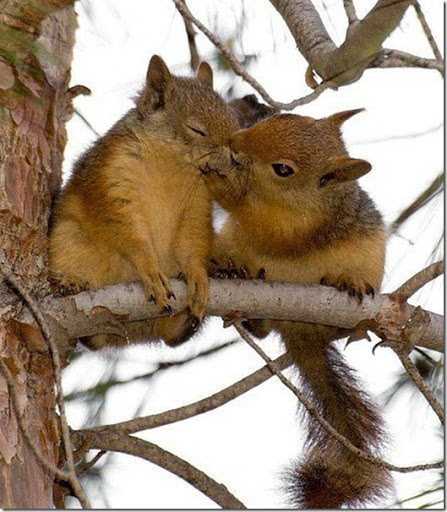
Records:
x=427, y=30
x=327, y=426
x=32, y=304
x=240, y=70
x=350, y=11
x=86, y=466
x=435, y=188
x=201, y=406
x=191, y=35
x=118, y=442
x=416, y=282
x=420, y=383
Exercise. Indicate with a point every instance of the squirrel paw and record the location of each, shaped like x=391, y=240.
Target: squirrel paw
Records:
x=157, y=289
x=356, y=287
x=229, y=270
x=197, y=286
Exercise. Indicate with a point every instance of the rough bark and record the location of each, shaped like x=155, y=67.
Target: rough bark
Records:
x=36, y=41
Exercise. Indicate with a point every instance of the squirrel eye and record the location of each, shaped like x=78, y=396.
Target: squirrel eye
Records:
x=196, y=130
x=283, y=170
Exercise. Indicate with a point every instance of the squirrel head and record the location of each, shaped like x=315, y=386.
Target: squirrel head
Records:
x=299, y=159
x=197, y=116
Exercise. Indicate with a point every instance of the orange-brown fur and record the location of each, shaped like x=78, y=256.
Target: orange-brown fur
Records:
x=136, y=206
x=312, y=226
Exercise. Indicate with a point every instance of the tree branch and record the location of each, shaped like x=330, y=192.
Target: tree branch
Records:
x=201, y=406
x=313, y=411
x=427, y=30
x=416, y=282
x=424, y=197
x=240, y=70
x=96, y=312
x=420, y=383
x=118, y=442
x=350, y=11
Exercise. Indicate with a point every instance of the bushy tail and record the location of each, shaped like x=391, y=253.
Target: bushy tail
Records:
x=329, y=475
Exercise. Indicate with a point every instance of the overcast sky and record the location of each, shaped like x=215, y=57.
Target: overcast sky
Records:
x=246, y=443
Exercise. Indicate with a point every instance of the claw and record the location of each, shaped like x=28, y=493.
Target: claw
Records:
x=168, y=309
x=151, y=298
x=360, y=297
x=377, y=345
x=195, y=322
x=261, y=274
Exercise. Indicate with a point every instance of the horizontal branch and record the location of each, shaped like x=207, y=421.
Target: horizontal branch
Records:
x=100, y=311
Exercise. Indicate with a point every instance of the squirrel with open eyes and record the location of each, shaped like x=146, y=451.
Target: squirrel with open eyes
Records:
x=297, y=211
x=136, y=206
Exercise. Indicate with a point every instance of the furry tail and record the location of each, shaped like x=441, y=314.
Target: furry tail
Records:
x=329, y=475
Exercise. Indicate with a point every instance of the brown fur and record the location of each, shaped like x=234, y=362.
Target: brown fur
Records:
x=314, y=225
x=136, y=206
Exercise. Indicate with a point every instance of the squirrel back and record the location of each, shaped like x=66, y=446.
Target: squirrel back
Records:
x=296, y=211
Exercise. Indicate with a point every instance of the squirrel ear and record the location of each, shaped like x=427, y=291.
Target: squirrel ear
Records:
x=344, y=169
x=205, y=74
x=340, y=117
x=158, y=74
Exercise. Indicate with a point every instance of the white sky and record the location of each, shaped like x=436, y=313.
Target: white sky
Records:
x=246, y=443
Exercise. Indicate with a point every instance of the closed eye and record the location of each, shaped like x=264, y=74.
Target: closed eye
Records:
x=196, y=130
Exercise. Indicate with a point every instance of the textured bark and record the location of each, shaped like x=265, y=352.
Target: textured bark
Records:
x=35, y=58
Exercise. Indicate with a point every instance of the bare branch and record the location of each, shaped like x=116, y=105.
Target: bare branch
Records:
x=420, y=383
x=427, y=30
x=240, y=70
x=117, y=442
x=350, y=11
x=387, y=58
x=346, y=64
x=89, y=312
x=427, y=195
x=35, y=309
x=317, y=416
x=191, y=35
x=416, y=282
x=206, y=404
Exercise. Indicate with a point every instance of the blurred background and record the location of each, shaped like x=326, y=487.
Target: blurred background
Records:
x=248, y=442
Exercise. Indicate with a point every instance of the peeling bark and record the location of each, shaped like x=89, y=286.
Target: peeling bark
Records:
x=36, y=41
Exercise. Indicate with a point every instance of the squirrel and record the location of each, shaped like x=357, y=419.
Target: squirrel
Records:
x=297, y=214
x=136, y=206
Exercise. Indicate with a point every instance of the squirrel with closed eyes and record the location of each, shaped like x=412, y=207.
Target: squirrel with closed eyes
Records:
x=136, y=207
x=297, y=212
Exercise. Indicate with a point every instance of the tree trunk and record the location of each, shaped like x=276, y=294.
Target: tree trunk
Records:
x=36, y=42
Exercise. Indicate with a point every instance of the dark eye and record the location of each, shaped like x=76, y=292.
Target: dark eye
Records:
x=283, y=170
x=196, y=130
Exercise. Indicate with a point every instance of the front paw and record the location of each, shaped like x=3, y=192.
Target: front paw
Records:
x=355, y=286
x=197, y=289
x=158, y=290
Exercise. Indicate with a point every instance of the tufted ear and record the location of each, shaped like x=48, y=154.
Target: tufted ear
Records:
x=340, y=117
x=205, y=74
x=342, y=169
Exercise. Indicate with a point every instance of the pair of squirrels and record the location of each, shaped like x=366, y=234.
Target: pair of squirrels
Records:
x=138, y=206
